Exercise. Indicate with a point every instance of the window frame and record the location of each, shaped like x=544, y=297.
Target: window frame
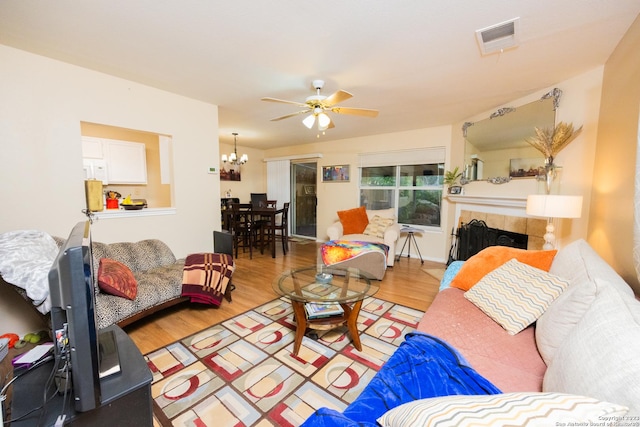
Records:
x=397, y=188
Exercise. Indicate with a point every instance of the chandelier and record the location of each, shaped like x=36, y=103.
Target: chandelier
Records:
x=233, y=157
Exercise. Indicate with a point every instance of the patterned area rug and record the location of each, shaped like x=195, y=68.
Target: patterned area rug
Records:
x=241, y=372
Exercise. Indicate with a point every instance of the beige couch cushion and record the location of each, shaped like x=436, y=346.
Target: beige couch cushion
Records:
x=581, y=265
x=578, y=262
x=599, y=356
x=561, y=316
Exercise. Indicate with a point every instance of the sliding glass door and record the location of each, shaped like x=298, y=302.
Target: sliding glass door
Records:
x=303, y=199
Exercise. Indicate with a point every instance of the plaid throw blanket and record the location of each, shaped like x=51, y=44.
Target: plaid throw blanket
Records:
x=206, y=277
x=335, y=251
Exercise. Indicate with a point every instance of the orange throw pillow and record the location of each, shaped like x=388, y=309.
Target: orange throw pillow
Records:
x=488, y=259
x=354, y=221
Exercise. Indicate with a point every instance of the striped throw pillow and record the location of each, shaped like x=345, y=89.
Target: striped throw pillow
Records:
x=513, y=409
x=515, y=294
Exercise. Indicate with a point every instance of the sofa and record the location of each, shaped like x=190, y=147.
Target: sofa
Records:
x=581, y=350
x=388, y=235
x=158, y=275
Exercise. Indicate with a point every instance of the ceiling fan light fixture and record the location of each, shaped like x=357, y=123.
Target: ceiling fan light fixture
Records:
x=323, y=121
x=309, y=121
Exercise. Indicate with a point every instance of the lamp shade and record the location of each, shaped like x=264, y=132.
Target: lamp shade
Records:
x=554, y=206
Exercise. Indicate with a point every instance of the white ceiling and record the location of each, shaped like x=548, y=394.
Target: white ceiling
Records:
x=416, y=61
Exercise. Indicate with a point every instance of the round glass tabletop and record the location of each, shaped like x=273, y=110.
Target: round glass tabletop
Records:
x=325, y=285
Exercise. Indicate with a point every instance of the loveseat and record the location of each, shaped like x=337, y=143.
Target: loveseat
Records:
x=582, y=352
x=387, y=234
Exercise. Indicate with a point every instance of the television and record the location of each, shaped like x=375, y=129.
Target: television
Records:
x=81, y=351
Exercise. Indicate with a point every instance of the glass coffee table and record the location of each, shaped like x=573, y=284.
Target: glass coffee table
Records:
x=347, y=287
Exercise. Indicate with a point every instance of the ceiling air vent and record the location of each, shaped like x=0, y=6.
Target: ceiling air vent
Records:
x=499, y=37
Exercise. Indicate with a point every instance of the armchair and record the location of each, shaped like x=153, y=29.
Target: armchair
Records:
x=391, y=234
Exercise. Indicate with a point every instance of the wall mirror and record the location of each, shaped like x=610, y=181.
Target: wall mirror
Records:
x=495, y=147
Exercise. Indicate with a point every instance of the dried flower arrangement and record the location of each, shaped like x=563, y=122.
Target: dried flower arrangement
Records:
x=549, y=141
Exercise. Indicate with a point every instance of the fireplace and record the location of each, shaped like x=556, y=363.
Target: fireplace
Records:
x=476, y=235
x=502, y=213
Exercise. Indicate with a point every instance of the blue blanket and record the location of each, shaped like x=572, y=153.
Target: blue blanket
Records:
x=423, y=366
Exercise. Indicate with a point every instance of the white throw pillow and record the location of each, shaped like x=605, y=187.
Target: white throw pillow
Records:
x=514, y=409
x=516, y=294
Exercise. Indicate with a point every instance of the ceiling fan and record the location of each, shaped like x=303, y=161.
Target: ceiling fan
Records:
x=319, y=105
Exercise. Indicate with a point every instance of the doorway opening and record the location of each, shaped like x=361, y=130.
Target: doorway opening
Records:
x=303, y=195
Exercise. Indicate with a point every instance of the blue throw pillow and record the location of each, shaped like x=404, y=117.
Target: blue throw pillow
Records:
x=450, y=273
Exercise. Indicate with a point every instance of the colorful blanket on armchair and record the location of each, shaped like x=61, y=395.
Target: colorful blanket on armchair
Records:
x=335, y=251
x=423, y=366
x=206, y=277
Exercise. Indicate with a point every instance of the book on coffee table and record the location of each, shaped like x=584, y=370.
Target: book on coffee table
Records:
x=322, y=310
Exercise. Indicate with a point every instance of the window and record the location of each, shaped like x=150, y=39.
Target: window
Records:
x=414, y=190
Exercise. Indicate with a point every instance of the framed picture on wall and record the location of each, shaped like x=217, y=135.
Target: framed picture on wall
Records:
x=230, y=175
x=526, y=167
x=335, y=173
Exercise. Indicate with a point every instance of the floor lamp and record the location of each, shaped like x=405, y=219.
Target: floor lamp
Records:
x=553, y=206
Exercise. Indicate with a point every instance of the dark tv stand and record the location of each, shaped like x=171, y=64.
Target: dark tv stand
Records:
x=126, y=395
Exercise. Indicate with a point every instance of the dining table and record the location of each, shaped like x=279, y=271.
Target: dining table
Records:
x=267, y=217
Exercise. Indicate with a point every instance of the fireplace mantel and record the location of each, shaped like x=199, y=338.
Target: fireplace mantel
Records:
x=498, y=201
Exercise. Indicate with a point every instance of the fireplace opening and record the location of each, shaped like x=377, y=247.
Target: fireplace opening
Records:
x=474, y=236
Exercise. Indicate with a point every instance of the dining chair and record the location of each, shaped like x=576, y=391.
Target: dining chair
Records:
x=281, y=228
x=262, y=223
x=259, y=199
x=241, y=227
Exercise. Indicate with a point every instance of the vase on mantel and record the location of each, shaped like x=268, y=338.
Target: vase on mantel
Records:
x=551, y=177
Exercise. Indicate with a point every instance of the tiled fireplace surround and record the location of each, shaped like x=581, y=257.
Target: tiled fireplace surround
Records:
x=502, y=213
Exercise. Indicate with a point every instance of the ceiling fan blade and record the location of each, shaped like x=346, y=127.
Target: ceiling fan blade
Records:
x=336, y=98
x=286, y=116
x=365, y=112
x=284, y=101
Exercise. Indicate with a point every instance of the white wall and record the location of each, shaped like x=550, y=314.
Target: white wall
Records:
x=42, y=103
x=580, y=105
x=335, y=196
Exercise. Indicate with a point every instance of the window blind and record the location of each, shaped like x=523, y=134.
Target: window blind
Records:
x=418, y=156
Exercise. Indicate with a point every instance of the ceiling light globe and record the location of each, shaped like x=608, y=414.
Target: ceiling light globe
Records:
x=323, y=121
x=309, y=121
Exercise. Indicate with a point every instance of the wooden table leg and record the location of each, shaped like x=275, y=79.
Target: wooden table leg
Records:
x=351, y=315
x=301, y=324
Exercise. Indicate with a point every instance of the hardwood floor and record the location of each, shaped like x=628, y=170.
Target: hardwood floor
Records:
x=406, y=283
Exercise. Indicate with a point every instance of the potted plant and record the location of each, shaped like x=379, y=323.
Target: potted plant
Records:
x=451, y=180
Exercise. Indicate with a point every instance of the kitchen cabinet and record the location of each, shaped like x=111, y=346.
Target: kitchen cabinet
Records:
x=122, y=162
